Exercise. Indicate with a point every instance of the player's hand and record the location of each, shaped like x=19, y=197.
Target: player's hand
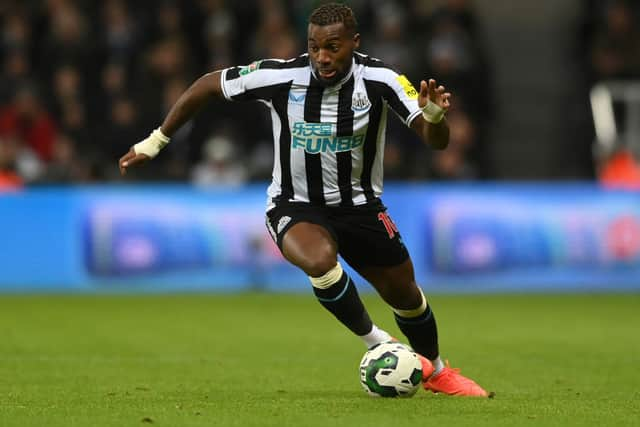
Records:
x=437, y=94
x=144, y=150
x=131, y=159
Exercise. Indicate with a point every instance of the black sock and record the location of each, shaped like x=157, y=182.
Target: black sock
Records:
x=343, y=301
x=422, y=333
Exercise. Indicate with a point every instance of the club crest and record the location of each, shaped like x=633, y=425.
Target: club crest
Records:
x=360, y=102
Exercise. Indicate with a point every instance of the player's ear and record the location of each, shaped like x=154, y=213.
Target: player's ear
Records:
x=356, y=40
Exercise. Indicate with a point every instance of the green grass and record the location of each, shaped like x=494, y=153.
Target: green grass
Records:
x=280, y=360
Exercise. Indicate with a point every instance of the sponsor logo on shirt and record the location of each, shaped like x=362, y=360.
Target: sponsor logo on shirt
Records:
x=320, y=138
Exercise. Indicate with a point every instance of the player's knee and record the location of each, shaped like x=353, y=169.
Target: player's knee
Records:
x=320, y=262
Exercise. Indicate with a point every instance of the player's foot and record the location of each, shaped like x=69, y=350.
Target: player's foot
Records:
x=427, y=367
x=449, y=381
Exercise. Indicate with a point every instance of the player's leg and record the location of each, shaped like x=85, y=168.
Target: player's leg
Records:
x=375, y=249
x=310, y=246
x=373, y=246
x=397, y=286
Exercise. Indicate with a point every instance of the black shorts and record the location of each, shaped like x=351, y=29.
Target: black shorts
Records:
x=365, y=234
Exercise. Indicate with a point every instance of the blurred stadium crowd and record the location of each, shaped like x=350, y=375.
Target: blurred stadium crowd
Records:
x=82, y=80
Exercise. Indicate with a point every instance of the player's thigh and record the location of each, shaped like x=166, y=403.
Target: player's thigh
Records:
x=311, y=247
x=396, y=284
x=371, y=243
x=367, y=236
x=304, y=237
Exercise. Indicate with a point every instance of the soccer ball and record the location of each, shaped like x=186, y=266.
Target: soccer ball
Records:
x=390, y=370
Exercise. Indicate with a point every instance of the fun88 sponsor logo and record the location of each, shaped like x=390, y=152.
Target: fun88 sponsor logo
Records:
x=318, y=138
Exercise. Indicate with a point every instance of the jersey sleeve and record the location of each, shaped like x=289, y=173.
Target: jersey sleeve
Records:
x=398, y=92
x=256, y=81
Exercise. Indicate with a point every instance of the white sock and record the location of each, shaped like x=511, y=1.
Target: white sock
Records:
x=438, y=366
x=375, y=337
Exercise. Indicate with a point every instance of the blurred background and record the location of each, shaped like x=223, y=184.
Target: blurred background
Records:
x=537, y=190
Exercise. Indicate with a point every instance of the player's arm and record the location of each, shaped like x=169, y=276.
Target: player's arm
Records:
x=189, y=103
x=431, y=125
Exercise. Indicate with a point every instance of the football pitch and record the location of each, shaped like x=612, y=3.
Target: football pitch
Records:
x=281, y=360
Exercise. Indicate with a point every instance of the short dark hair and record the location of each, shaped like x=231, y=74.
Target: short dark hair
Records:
x=334, y=13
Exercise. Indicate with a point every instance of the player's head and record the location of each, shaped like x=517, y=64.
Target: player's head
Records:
x=332, y=38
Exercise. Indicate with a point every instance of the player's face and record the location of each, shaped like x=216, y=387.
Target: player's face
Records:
x=330, y=50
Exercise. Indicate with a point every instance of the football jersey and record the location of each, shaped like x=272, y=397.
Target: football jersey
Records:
x=328, y=140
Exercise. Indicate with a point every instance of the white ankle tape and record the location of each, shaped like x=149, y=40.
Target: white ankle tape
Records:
x=328, y=279
x=414, y=312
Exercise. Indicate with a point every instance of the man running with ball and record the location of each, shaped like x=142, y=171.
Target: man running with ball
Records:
x=329, y=111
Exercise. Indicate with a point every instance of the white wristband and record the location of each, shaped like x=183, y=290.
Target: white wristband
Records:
x=432, y=112
x=152, y=145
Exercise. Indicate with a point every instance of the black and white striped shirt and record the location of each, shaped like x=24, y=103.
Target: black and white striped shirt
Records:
x=329, y=141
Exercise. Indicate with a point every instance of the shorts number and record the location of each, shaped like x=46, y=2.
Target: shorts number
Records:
x=388, y=224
